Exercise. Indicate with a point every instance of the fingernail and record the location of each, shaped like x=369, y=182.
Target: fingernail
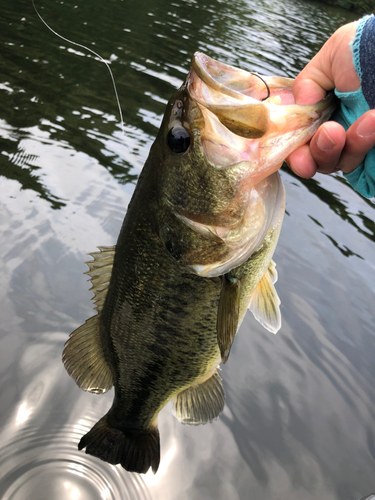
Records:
x=366, y=127
x=324, y=141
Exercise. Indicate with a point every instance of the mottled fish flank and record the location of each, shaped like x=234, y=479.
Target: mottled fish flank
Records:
x=194, y=253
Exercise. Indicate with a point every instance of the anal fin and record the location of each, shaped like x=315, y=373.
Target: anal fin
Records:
x=200, y=403
x=228, y=315
x=84, y=359
x=265, y=303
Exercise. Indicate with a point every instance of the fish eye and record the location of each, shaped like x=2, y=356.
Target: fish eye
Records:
x=178, y=139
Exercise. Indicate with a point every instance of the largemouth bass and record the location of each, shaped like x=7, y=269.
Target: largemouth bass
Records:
x=194, y=253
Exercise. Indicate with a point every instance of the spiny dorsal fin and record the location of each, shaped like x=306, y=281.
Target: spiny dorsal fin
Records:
x=200, y=403
x=100, y=270
x=265, y=303
x=228, y=315
x=84, y=360
x=83, y=355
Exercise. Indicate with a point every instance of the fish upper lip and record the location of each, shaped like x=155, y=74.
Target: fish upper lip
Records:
x=227, y=92
x=247, y=105
x=205, y=67
x=223, y=78
x=239, y=87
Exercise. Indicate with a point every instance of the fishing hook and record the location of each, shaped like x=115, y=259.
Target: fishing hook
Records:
x=265, y=83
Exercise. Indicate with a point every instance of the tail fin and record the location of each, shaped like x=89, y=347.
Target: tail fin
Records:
x=135, y=449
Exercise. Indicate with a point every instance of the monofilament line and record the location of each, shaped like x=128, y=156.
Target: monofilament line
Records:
x=92, y=52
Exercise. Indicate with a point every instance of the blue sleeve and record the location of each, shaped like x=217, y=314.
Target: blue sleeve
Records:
x=354, y=104
x=364, y=59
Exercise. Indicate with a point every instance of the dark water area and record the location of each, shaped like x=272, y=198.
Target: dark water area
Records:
x=299, y=421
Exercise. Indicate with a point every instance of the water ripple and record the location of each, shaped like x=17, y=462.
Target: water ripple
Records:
x=48, y=465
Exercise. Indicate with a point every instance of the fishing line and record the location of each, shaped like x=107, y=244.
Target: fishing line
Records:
x=92, y=52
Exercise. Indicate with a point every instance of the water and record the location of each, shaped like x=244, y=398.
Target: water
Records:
x=300, y=415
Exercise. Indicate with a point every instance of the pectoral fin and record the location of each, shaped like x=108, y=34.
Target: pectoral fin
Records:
x=265, y=303
x=200, y=403
x=228, y=315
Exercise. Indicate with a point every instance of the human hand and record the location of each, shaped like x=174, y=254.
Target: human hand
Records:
x=332, y=148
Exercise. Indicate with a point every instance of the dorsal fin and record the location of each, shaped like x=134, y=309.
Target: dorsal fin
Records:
x=100, y=270
x=83, y=355
x=265, y=303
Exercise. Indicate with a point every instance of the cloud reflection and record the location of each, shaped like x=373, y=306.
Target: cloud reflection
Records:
x=72, y=492
x=22, y=414
x=151, y=479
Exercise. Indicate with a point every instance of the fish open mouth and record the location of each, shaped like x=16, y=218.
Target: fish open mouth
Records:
x=245, y=113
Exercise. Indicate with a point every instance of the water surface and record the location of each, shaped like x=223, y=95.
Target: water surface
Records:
x=300, y=414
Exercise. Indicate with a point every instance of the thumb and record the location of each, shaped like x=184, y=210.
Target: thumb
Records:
x=307, y=90
x=312, y=84
x=331, y=67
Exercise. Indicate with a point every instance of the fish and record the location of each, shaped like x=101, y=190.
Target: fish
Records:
x=193, y=255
